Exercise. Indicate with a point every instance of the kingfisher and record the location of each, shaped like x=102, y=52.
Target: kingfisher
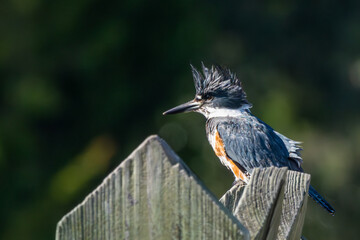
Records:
x=240, y=140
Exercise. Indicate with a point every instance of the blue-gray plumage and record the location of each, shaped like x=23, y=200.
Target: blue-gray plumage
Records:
x=240, y=140
x=252, y=143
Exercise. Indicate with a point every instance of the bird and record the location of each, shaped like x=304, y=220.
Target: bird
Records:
x=239, y=139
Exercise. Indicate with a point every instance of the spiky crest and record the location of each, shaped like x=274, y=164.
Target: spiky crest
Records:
x=218, y=81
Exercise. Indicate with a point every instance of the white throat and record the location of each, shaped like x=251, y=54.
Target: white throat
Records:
x=225, y=112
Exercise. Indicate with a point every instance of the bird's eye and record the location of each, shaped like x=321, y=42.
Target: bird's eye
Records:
x=207, y=97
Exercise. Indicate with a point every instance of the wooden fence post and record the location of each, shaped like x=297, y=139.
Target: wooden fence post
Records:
x=153, y=195
x=272, y=205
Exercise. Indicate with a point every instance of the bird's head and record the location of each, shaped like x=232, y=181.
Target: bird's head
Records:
x=217, y=90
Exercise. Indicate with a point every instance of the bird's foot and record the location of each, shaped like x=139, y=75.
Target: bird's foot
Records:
x=239, y=182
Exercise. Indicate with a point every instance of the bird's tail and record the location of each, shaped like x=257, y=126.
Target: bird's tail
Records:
x=320, y=200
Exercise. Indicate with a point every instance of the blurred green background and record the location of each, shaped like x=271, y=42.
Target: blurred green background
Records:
x=85, y=82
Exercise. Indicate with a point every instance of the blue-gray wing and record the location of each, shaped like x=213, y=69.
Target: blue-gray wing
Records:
x=252, y=143
x=293, y=147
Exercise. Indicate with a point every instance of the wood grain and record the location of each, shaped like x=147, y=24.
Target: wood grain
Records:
x=272, y=205
x=150, y=195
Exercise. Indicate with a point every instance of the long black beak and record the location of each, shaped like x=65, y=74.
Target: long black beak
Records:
x=186, y=107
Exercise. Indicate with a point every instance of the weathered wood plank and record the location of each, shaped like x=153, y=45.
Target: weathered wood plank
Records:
x=259, y=208
x=272, y=205
x=294, y=205
x=232, y=197
x=151, y=195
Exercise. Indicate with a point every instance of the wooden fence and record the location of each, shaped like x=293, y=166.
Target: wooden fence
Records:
x=154, y=195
